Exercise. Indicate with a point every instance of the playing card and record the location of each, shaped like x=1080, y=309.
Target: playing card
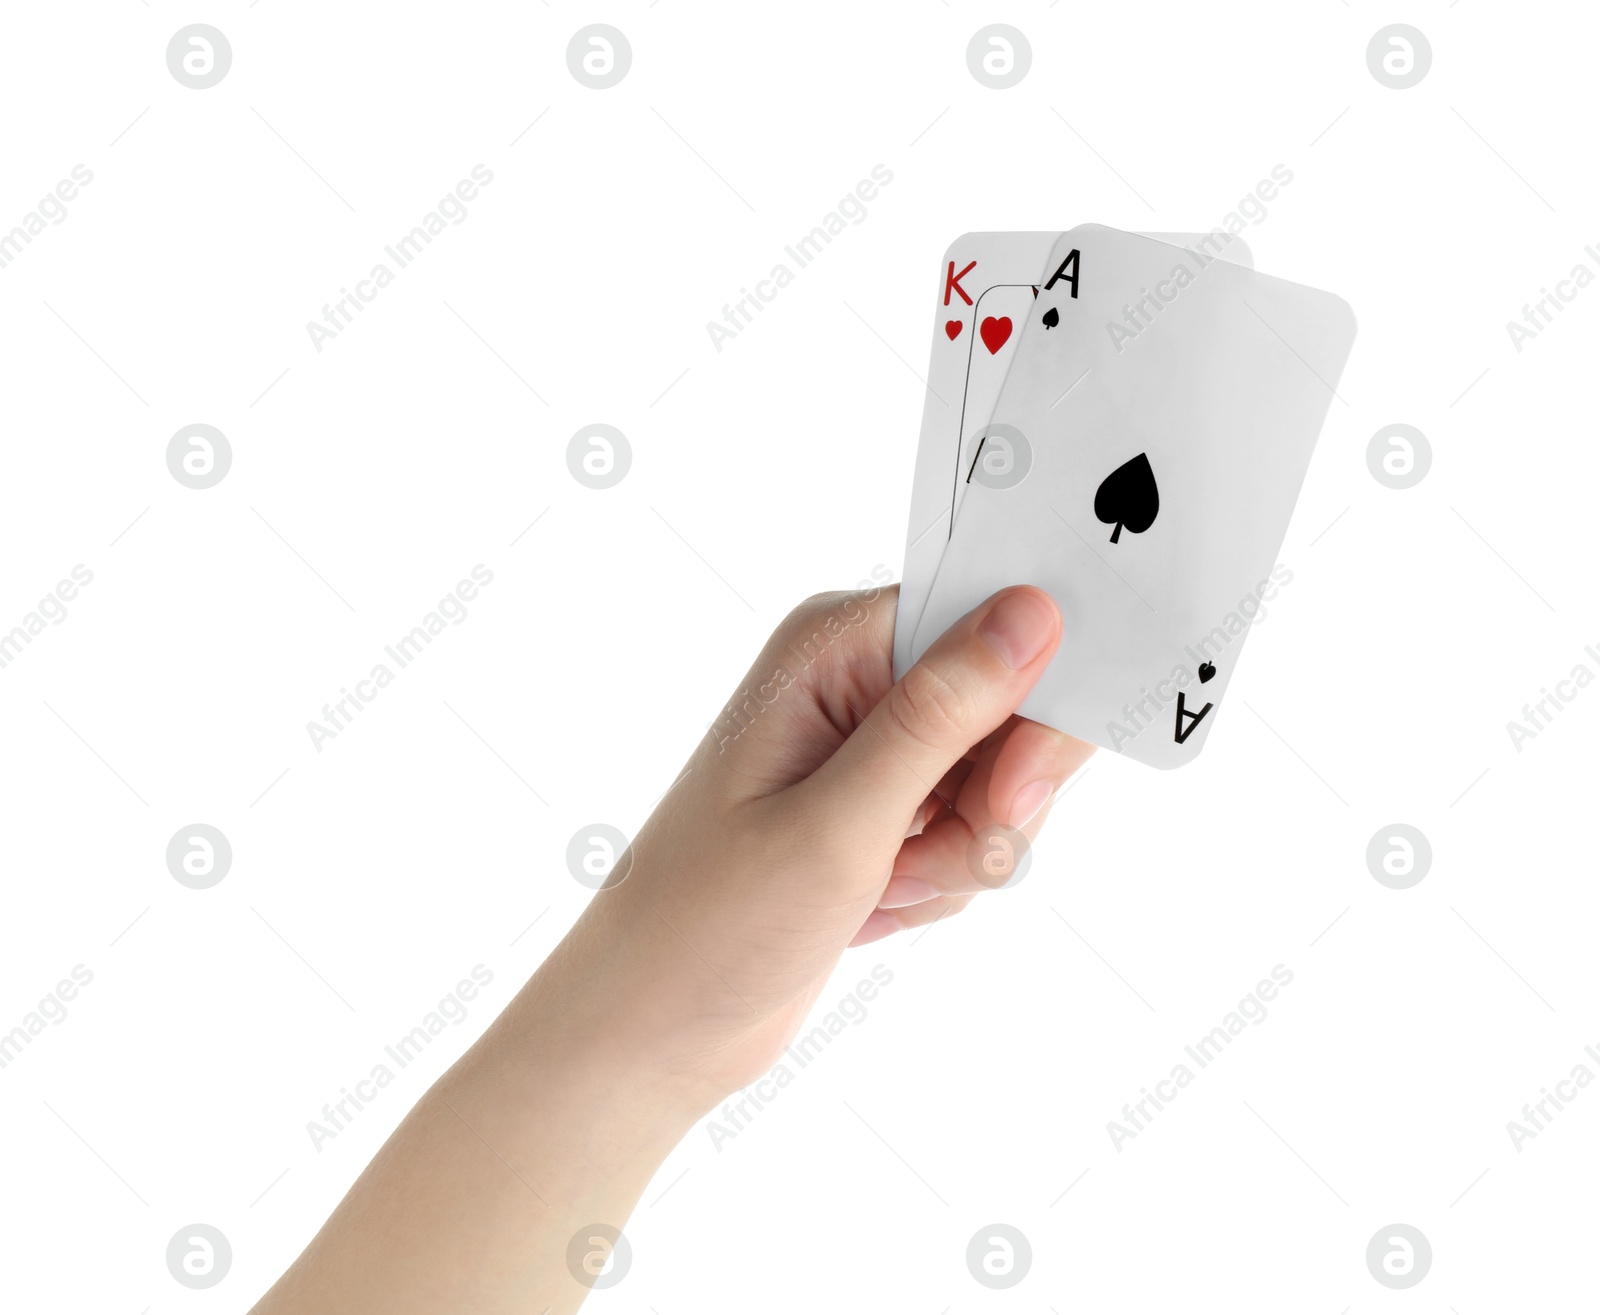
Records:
x=1141, y=465
x=975, y=263
x=986, y=288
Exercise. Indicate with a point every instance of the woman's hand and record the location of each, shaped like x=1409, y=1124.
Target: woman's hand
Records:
x=827, y=806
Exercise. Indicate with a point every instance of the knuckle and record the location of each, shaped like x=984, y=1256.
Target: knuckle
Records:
x=819, y=602
x=821, y=629
x=927, y=708
x=809, y=616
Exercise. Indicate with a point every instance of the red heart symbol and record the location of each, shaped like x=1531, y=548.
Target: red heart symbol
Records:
x=951, y=329
x=995, y=332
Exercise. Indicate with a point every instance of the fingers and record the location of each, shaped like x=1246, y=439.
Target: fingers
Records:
x=885, y=922
x=938, y=860
x=963, y=689
x=829, y=656
x=1009, y=788
x=943, y=798
x=1033, y=763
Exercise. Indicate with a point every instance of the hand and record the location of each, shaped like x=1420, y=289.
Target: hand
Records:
x=827, y=807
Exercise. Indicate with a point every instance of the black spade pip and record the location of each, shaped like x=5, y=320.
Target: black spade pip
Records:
x=1128, y=497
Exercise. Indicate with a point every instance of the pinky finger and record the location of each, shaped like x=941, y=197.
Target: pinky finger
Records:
x=885, y=922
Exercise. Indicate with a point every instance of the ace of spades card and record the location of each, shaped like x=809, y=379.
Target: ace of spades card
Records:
x=1143, y=460
x=987, y=284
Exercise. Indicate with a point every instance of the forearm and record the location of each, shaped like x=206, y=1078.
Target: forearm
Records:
x=691, y=969
x=549, y=1124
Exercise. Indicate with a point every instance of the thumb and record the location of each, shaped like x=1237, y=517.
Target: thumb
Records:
x=964, y=687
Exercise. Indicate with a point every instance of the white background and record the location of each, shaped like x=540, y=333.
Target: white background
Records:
x=370, y=877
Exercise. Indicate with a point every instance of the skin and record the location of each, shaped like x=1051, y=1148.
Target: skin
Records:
x=844, y=810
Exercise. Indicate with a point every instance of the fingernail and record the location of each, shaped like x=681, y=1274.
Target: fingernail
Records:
x=1030, y=799
x=878, y=925
x=1019, y=627
x=902, y=891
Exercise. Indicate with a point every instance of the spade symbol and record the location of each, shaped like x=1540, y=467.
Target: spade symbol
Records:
x=1128, y=496
x=1052, y=317
x=1207, y=670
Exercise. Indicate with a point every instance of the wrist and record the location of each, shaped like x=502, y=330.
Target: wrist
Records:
x=595, y=1021
x=584, y=1123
